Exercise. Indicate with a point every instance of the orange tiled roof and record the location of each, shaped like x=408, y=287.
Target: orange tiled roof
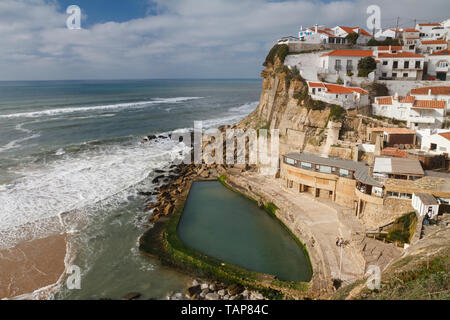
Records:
x=384, y=100
x=327, y=33
x=350, y=30
x=402, y=54
x=393, y=130
x=434, y=42
x=316, y=84
x=385, y=48
x=411, y=30
x=429, y=104
x=394, y=152
x=349, y=53
x=441, y=53
x=335, y=88
x=439, y=90
x=446, y=135
x=429, y=24
x=406, y=99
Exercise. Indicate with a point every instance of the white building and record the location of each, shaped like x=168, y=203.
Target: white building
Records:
x=389, y=33
x=425, y=204
x=446, y=25
x=346, y=97
x=401, y=65
x=343, y=61
x=430, y=31
x=418, y=114
x=438, y=143
x=439, y=93
x=411, y=39
x=430, y=46
x=363, y=37
x=438, y=65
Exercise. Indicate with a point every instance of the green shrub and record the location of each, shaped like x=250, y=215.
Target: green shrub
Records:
x=280, y=51
x=352, y=37
x=365, y=66
x=339, y=81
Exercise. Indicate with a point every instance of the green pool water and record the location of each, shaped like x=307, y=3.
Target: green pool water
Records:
x=225, y=225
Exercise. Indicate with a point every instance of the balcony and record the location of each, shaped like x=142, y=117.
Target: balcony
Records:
x=442, y=69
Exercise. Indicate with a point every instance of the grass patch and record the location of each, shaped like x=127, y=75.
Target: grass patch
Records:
x=402, y=230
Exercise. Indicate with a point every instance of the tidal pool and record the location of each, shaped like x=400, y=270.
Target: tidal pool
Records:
x=225, y=225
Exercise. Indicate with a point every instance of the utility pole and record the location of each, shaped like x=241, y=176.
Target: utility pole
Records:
x=373, y=28
x=396, y=28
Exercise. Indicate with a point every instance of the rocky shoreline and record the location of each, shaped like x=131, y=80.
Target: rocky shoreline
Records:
x=203, y=290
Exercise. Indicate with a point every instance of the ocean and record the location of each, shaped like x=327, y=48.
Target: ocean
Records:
x=72, y=160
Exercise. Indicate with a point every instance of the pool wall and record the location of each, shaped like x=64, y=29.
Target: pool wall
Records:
x=163, y=242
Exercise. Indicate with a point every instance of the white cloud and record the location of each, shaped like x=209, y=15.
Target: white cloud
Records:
x=188, y=38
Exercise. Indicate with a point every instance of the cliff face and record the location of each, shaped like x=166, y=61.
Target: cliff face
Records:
x=304, y=124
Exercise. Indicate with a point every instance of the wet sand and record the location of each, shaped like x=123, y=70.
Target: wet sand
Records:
x=31, y=265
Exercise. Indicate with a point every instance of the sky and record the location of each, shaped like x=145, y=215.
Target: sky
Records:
x=144, y=39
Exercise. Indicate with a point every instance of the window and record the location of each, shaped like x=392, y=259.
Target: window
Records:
x=385, y=63
x=325, y=169
x=417, y=64
x=394, y=75
x=337, y=65
x=344, y=172
x=306, y=165
x=384, y=74
x=395, y=64
x=349, y=65
x=442, y=149
x=406, y=65
x=433, y=146
x=290, y=161
x=405, y=75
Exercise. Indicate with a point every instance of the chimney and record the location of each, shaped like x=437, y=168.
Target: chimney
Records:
x=396, y=96
x=345, y=81
x=315, y=28
x=429, y=92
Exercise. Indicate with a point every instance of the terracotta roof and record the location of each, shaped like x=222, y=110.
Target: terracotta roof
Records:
x=384, y=100
x=402, y=54
x=439, y=90
x=411, y=30
x=441, y=53
x=434, y=42
x=429, y=24
x=349, y=53
x=394, y=152
x=316, y=84
x=446, y=135
x=393, y=130
x=335, y=88
x=406, y=99
x=429, y=104
x=350, y=30
x=327, y=33
x=386, y=48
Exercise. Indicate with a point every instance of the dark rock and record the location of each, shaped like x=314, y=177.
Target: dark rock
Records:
x=131, y=296
x=193, y=291
x=235, y=289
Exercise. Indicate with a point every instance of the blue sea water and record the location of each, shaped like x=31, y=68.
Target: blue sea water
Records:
x=76, y=147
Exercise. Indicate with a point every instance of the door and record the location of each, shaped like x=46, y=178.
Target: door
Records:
x=441, y=76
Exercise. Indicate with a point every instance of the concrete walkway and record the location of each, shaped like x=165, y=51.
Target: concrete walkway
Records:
x=316, y=222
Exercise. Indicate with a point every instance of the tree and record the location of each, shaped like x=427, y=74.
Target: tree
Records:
x=352, y=37
x=365, y=66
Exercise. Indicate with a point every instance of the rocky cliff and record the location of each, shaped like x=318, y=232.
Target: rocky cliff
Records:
x=304, y=124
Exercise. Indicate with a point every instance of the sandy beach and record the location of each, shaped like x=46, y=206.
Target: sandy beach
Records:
x=31, y=265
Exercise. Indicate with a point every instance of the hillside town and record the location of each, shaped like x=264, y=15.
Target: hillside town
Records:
x=400, y=162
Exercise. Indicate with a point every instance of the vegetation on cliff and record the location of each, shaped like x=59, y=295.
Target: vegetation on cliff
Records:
x=277, y=51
